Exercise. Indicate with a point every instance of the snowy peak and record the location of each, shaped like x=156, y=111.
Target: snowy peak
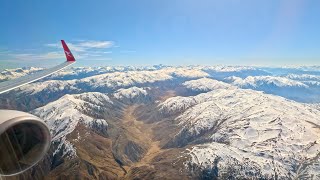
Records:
x=185, y=72
x=94, y=98
x=308, y=79
x=18, y=72
x=133, y=78
x=257, y=81
x=52, y=86
x=176, y=104
x=63, y=115
x=222, y=68
x=206, y=84
x=130, y=93
x=300, y=91
x=125, y=79
x=304, y=77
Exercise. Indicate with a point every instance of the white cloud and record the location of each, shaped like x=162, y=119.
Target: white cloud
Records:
x=101, y=59
x=83, y=46
x=96, y=44
x=52, y=45
x=73, y=47
x=99, y=52
x=43, y=56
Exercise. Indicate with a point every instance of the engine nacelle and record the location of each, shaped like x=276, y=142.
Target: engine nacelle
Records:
x=24, y=140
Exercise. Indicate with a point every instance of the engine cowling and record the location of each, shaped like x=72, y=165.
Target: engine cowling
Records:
x=24, y=140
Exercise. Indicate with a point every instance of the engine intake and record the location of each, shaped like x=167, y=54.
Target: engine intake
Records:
x=24, y=140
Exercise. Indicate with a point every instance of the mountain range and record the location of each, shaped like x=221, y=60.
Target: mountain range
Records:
x=166, y=122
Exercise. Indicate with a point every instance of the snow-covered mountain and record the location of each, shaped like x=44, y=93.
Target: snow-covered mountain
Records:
x=247, y=133
x=221, y=72
x=18, y=72
x=132, y=95
x=259, y=81
x=120, y=79
x=63, y=115
x=289, y=87
x=206, y=84
x=304, y=77
x=313, y=81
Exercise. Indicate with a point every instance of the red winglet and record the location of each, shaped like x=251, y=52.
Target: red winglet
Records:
x=67, y=51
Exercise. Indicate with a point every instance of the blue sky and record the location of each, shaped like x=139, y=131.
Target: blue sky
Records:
x=173, y=32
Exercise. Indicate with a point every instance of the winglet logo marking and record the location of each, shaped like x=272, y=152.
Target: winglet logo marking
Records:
x=68, y=53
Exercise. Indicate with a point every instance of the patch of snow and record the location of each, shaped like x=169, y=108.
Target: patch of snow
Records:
x=130, y=93
x=222, y=68
x=52, y=85
x=176, y=104
x=303, y=77
x=206, y=84
x=256, y=81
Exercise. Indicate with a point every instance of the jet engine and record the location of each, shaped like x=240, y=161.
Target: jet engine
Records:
x=24, y=140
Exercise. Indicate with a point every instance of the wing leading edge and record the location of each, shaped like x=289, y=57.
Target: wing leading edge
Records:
x=18, y=82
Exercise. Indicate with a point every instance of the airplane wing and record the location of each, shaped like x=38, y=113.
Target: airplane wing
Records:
x=18, y=82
